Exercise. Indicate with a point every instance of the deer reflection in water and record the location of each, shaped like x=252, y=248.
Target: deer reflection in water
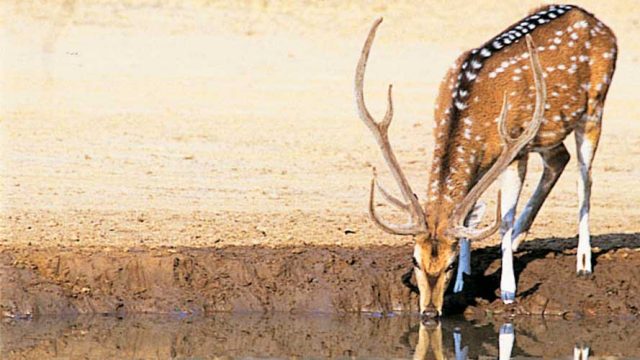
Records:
x=430, y=344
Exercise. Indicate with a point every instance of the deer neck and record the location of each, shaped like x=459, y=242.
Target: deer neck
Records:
x=454, y=168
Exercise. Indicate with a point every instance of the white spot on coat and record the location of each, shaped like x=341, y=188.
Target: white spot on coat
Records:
x=573, y=68
x=460, y=105
x=580, y=24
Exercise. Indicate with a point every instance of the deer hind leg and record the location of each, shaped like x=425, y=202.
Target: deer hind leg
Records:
x=512, y=180
x=554, y=161
x=587, y=136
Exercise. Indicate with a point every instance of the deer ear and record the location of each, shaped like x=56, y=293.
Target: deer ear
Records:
x=475, y=216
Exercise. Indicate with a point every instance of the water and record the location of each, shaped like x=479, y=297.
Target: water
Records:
x=314, y=336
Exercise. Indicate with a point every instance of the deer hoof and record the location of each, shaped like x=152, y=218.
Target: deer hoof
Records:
x=506, y=329
x=584, y=274
x=508, y=297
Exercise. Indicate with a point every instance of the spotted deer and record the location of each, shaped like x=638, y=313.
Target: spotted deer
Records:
x=498, y=103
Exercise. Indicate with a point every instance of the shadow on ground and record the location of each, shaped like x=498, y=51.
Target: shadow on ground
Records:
x=547, y=284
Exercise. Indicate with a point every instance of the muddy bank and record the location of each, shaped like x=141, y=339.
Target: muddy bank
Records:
x=204, y=281
x=307, y=279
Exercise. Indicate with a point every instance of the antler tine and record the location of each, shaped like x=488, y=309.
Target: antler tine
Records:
x=504, y=132
x=390, y=198
x=407, y=229
x=477, y=234
x=512, y=146
x=380, y=133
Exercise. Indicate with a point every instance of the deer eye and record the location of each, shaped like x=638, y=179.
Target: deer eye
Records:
x=415, y=262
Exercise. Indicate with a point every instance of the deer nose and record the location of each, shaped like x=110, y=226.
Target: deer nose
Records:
x=430, y=312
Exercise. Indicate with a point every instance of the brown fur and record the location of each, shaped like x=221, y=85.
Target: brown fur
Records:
x=575, y=49
x=450, y=165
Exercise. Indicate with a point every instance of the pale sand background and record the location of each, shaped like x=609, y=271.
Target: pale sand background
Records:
x=159, y=123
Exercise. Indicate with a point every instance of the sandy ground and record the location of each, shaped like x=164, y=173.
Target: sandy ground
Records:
x=210, y=124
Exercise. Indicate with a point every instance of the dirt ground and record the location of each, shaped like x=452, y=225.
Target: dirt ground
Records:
x=162, y=129
x=310, y=279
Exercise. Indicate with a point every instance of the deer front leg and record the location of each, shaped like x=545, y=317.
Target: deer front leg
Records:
x=464, y=265
x=512, y=180
x=554, y=161
x=464, y=260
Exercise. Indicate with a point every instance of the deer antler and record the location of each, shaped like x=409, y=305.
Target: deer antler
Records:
x=512, y=146
x=418, y=223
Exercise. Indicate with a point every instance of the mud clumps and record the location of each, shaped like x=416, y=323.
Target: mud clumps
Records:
x=325, y=279
x=547, y=283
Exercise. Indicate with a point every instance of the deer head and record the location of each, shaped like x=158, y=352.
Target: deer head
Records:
x=436, y=248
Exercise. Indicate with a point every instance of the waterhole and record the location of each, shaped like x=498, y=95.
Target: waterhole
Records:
x=378, y=336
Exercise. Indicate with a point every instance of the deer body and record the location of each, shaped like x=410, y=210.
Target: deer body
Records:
x=576, y=69
x=577, y=53
x=498, y=103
